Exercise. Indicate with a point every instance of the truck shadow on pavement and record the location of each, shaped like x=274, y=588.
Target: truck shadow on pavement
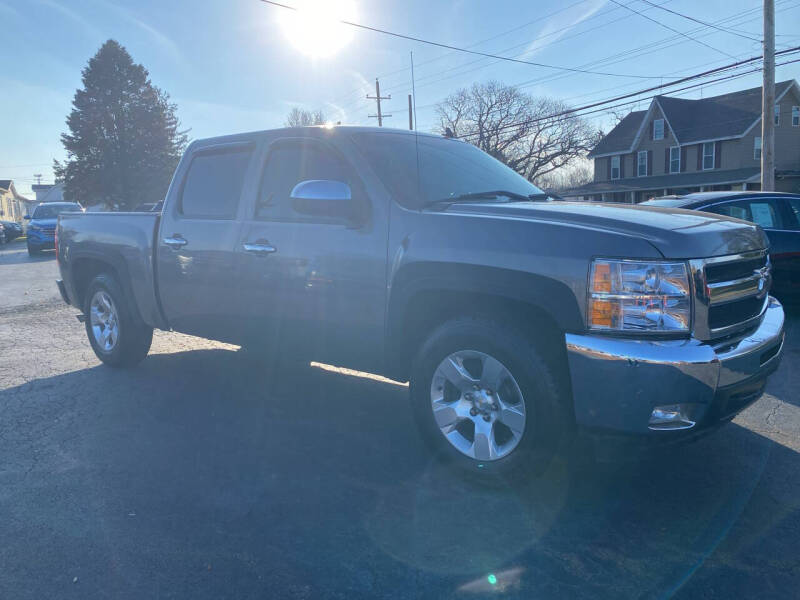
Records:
x=203, y=474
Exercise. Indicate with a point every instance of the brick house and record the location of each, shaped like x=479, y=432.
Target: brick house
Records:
x=679, y=146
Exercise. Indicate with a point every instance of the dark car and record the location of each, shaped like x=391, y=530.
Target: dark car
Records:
x=777, y=213
x=3, y=238
x=12, y=230
x=42, y=227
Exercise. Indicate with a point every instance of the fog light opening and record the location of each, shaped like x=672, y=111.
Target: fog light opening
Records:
x=671, y=417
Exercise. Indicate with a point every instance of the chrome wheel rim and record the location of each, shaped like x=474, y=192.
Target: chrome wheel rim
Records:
x=478, y=405
x=104, y=321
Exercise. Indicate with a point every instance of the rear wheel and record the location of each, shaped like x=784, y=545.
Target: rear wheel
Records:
x=118, y=336
x=33, y=251
x=485, y=399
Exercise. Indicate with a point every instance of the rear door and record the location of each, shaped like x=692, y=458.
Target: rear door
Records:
x=197, y=241
x=314, y=285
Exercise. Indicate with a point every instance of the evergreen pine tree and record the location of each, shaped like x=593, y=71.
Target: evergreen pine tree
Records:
x=124, y=140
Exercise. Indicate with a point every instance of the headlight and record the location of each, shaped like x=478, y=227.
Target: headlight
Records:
x=635, y=296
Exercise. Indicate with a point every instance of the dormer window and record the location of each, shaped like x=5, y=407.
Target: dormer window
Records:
x=658, y=129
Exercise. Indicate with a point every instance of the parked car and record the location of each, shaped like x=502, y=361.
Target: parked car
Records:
x=777, y=213
x=422, y=258
x=12, y=229
x=42, y=226
x=3, y=239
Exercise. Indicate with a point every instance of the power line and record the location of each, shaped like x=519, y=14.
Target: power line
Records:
x=573, y=111
x=350, y=101
x=665, y=26
x=621, y=56
x=706, y=23
x=468, y=51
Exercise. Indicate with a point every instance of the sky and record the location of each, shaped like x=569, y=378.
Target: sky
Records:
x=242, y=65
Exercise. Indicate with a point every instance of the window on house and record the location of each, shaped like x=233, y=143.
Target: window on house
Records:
x=777, y=114
x=708, y=156
x=658, y=129
x=757, y=148
x=615, y=167
x=795, y=116
x=675, y=159
x=641, y=164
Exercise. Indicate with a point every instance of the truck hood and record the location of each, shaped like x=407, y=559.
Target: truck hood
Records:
x=675, y=232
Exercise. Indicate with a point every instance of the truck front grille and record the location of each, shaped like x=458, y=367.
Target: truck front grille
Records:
x=730, y=293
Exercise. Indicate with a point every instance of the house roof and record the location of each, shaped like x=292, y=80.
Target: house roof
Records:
x=621, y=137
x=5, y=184
x=662, y=182
x=692, y=121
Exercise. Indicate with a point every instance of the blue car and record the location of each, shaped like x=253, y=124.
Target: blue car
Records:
x=42, y=227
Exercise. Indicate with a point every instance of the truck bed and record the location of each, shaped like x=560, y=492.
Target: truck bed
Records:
x=126, y=240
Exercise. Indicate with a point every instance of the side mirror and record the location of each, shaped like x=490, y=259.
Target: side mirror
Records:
x=323, y=197
x=27, y=217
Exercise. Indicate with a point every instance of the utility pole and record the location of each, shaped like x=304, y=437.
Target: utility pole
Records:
x=377, y=97
x=768, y=101
x=410, y=114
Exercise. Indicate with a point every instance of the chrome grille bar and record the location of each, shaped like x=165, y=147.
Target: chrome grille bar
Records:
x=724, y=307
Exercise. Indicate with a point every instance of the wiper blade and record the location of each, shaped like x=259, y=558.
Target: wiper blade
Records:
x=478, y=196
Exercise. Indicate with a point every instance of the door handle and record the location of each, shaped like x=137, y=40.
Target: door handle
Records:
x=259, y=247
x=176, y=241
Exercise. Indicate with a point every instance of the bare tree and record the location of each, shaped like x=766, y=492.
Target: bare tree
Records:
x=519, y=129
x=299, y=117
x=576, y=174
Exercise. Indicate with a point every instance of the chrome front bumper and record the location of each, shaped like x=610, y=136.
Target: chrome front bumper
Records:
x=618, y=382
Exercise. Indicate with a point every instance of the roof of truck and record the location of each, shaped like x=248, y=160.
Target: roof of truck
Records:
x=312, y=130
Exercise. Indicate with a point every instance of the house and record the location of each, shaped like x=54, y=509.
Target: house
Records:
x=13, y=206
x=48, y=192
x=678, y=146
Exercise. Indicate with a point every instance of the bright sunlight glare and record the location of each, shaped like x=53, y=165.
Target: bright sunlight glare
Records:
x=314, y=28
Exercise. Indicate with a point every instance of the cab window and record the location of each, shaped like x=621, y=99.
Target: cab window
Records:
x=213, y=185
x=290, y=163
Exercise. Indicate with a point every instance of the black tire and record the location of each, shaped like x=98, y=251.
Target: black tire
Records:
x=135, y=337
x=33, y=251
x=548, y=424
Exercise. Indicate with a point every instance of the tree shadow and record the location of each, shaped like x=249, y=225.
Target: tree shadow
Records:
x=204, y=473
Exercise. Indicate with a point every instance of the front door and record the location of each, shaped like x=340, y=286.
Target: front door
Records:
x=200, y=228
x=314, y=285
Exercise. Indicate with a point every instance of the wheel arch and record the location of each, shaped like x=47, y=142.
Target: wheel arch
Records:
x=426, y=295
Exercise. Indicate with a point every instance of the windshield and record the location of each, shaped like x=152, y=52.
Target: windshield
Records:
x=666, y=202
x=51, y=211
x=447, y=169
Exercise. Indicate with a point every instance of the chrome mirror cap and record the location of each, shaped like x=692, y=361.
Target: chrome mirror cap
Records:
x=321, y=189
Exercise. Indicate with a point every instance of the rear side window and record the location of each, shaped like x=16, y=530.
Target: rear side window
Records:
x=764, y=213
x=287, y=165
x=794, y=213
x=737, y=210
x=213, y=185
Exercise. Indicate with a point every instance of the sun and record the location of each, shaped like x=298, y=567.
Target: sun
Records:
x=314, y=28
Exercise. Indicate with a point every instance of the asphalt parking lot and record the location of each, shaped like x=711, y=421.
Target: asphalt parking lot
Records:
x=201, y=474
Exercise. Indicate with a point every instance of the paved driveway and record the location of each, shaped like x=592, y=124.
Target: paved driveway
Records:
x=201, y=474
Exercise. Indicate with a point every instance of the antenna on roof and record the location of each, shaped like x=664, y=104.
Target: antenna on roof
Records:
x=38, y=177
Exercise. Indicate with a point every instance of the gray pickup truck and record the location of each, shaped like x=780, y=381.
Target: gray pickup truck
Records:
x=516, y=320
